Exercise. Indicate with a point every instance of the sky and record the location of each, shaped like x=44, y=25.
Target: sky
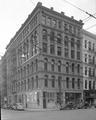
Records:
x=13, y=13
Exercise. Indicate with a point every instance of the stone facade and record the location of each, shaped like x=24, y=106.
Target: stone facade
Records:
x=44, y=60
x=89, y=66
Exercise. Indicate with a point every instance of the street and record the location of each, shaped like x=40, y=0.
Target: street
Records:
x=81, y=114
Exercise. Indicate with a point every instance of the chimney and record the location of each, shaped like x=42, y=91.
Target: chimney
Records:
x=52, y=8
x=62, y=13
x=39, y=4
x=72, y=17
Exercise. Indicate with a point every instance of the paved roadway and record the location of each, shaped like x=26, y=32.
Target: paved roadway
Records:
x=82, y=114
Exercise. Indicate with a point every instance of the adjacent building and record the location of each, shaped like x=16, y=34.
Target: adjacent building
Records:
x=44, y=60
x=3, y=81
x=89, y=66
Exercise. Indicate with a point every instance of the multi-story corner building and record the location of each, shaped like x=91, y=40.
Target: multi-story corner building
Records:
x=89, y=66
x=44, y=60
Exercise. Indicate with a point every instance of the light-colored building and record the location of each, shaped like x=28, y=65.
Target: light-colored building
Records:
x=89, y=66
x=44, y=60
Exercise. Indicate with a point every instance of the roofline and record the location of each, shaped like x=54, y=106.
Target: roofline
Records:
x=39, y=5
x=85, y=32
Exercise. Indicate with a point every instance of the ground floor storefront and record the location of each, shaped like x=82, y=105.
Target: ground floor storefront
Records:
x=90, y=96
x=39, y=99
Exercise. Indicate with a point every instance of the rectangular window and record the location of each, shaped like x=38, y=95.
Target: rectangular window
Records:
x=78, y=55
x=59, y=24
x=28, y=84
x=85, y=58
x=52, y=49
x=52, y=65
x=59, y=82
x=59, y=51
x=44, y=34
x=53, y=23
x=89, y=59
x=78, y=44
x=85, y=84
x=85, y=70
x=46, y=81
x=93, y=85
x=65, y=27
x=89, y=47
x=52, y=36
x=70, y=28
x=89, y=85
x=93, y=46
x=44, y=20
x=73, y=83
x=66, y=52
x=53, y=81
x=32, y=82
x=59, y=39
x=66, y=43
x=49, y=21
x=36, y=81
x=78, y=83
x=45, y=47
x=85, y=43
x=72, y=43
x=67, y=82
x=72, y=54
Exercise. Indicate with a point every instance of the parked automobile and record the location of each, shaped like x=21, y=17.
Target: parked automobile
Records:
x=4, y=106
x=10, y=107
x=14, y=106
x=84, y=105
x=68, y=106
x=19, y=106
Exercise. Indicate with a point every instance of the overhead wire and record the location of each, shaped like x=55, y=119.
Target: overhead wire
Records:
x=88, y=17
x=80, y=9
x=90, y=27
